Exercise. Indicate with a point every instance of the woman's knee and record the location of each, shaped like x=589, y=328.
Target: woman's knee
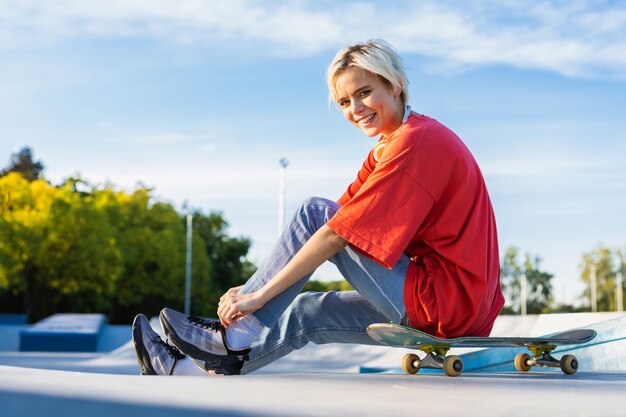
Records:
x=305, y=307
x=318, y=210
x=317, y=202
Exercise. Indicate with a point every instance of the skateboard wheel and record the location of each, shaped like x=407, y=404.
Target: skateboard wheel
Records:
x=569, y=364
x=410, y=363
x=521, y=362
x=453, y=365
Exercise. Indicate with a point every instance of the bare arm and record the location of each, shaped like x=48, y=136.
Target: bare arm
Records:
x=323, y=244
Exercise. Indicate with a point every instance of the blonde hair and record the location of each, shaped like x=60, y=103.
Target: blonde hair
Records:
x=375, y=56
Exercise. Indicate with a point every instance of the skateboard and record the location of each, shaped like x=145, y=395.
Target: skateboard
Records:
x=436, y=348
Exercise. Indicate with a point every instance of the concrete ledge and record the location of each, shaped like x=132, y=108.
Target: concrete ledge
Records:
x=18, y=319
x=63, y=333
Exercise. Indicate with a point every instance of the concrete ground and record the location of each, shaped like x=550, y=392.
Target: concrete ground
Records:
x=36, y=392
x=318, y=381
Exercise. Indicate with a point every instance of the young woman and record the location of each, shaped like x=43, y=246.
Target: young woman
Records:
x=414, y=234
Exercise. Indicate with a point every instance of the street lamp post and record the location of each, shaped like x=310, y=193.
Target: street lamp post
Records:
x=282, y=193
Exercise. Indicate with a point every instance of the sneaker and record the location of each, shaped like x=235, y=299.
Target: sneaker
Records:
x=155, y=357
x=204, y=340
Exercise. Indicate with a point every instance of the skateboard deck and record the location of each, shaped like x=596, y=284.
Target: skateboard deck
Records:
x=436, y=348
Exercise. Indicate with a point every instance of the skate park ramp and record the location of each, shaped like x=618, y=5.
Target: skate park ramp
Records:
x=322, y=380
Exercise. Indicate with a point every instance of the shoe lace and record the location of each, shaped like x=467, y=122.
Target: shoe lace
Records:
x=173, y=351
x=205, y=323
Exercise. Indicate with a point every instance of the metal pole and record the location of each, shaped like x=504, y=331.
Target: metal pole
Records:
x=594, y=294
x=619, y=305
x=188, y=267
x=523, y=294
x=282, y=194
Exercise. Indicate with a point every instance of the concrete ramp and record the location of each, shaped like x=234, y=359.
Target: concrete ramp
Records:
x=38, y=392
x=542, y=324
x=84, y=384
x=606, y=352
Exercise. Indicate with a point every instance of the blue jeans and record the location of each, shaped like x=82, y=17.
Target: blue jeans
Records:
x=293, y=319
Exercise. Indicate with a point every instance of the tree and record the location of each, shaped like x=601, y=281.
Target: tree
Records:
x=56, y=250
x=151, y=237
x=24, y=164
x=79, y=260
x=230, y=268
x=621, y=269
x=538, y=283
x=325, y=286
x=80, y=248
x=24, y=209
x=601, y=260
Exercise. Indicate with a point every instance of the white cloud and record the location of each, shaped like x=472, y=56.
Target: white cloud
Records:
x=553, y=176
x=577, y=39
x=527, y=167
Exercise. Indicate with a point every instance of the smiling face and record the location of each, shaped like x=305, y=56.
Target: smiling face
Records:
x=368, y=102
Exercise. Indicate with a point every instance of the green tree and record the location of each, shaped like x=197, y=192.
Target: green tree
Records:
x=80, y=262
x=151, y=237
x=538, y=283
x=230, y=267
x=621, y=268
x=25, y=208
x=325, y=286
x=24, y=164
x=56, y=251
x=600, y=259
x=85, y=249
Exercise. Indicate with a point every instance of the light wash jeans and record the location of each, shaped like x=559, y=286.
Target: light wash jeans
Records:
x=293, y=319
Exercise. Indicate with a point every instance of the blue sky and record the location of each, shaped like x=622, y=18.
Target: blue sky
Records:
x=200, y=99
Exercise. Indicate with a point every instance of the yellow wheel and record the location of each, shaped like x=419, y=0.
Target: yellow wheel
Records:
x=410, y=363
x=453, y=365
x=521, y=362
x=569, y=364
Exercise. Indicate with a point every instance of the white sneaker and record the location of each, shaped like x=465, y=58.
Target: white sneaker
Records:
x=204, y=340
x=155, y=357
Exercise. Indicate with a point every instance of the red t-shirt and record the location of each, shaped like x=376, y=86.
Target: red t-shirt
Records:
x=420, y=192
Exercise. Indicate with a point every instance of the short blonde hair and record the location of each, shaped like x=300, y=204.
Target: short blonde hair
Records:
x=375, y=56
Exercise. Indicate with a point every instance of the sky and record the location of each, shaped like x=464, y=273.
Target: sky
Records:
x=200, y=100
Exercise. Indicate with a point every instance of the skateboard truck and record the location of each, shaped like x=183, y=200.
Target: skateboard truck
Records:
x=435, y=359
x=453, y=365
x=541, y=357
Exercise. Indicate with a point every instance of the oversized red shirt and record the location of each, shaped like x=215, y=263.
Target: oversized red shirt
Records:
x=420, y=193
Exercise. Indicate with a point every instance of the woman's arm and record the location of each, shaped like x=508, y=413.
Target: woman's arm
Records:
x=319, y=248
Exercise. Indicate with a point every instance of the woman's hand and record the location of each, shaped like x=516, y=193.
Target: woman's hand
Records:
x=233, y=305
x=231, y=292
